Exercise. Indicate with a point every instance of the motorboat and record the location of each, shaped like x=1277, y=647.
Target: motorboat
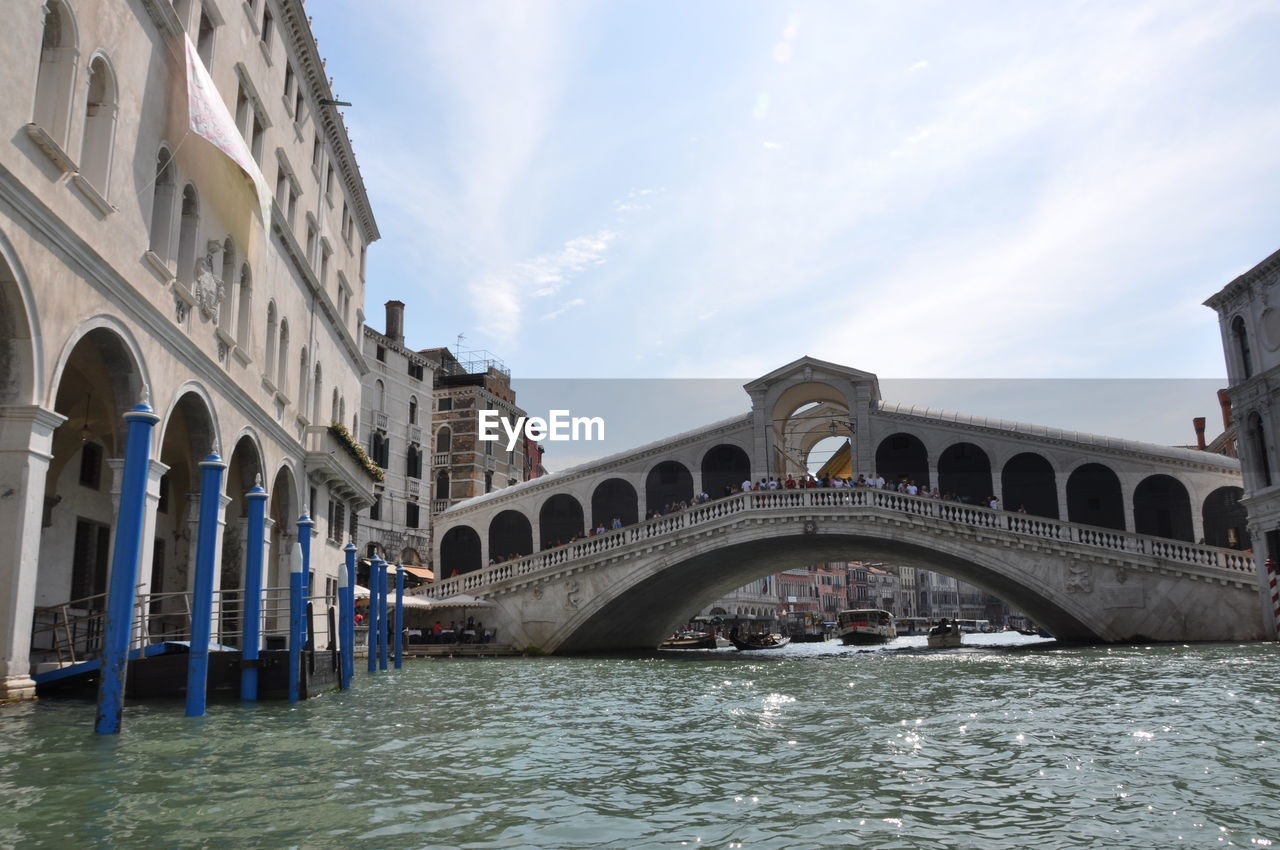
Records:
x=690, y=640
x=772, y=641
x=865, y=626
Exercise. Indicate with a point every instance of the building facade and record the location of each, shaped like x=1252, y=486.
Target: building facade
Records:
x=136, y=264
x=1250, y=327
x=463, y=465
x=396, y=412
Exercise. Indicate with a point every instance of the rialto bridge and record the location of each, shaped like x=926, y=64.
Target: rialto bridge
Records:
x=1097, y=539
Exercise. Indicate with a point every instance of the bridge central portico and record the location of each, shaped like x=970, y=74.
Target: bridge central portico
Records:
x=1099, y=547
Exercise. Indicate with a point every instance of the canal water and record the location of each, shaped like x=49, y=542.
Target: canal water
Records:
x=810, y=746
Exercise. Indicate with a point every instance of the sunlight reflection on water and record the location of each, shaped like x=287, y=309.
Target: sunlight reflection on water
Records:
x=814, y=745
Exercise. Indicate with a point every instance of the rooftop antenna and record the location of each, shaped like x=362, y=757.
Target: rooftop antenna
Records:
x=459, y=344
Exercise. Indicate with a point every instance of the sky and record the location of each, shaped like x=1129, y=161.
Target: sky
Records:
x=605, y=190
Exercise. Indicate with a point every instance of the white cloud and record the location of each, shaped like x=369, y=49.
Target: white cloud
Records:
x=919, y=66
x=568, y=305
x=501, y=296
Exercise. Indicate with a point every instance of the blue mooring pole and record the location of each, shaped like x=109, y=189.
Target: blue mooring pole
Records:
x=124, y=569
x=295, y=620
x=211, y=469
x=399, y=633
x=347, y=614
x=251, y=627
x=372, y=619
x=382, y=614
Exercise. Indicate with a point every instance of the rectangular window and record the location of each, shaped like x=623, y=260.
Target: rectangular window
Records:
x=89, y=561
x=381, y=354
x=315, y=153
x=289, y=82
x=91, y=466
x=375, y=511
x=328, y=184
x=416, y=370
x=446, y=403
x=268, y=28
x=411, y=514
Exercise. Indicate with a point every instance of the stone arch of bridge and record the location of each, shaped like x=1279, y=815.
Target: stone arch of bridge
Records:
x=640, y=608
x=1028, y=481
x=1095, y=496
x=725, y=465
x=964, y=470
x=614, y=498
x=1225, y=520
x=667, y=482
x=1162, y=507
x=900, y=456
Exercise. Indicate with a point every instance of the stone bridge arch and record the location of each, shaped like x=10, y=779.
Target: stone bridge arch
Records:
x=642, y=605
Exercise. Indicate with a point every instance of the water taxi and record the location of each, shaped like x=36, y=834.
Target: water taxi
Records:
x=864, y=626
x=804, y=627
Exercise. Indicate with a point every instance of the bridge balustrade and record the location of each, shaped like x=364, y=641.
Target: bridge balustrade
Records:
x=857, y=497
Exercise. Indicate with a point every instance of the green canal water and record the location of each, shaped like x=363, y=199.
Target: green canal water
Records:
x=809, y=746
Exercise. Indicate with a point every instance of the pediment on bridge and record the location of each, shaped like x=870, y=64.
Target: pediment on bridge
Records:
x=811, y=368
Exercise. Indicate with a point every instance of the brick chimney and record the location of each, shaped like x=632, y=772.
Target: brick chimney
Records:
x=395, y=321
x=1224, y=400
x=1198, y=424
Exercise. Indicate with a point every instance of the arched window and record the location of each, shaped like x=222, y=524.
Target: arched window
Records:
x=413, y=410
x=333, y=408
x=187, y=230
x=444, y=437
x=1241, y=338
x=342, y=412
x=282, y=356
x=244, y=307
x=270, y=358
x=380, y=391
x=442, y=485
x=225, y=317
x=1260, y=460
x=56, y=78
x=99, y=126
x=413, y=462
x=303, y=399
x=317, y=390
x=162, y=206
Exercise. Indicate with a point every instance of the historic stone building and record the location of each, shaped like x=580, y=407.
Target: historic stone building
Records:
x=462, y=465
x=1250, y=327
x=396, y=412
x=136, y=264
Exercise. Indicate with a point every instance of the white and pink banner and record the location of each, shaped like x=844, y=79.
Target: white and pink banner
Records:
x=209, y=118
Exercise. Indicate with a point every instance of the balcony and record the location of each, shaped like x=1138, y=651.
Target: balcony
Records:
x=380, y=419
x=413, y=487
x=415, y=434
x=440, y=459
x=438, y=505
x=330, y=465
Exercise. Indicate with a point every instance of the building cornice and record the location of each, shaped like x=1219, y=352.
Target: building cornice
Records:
x=1222, y=301
x=295, y=23
x=387, y=342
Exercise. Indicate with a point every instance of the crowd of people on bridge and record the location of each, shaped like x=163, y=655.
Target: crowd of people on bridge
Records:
x=904, y=485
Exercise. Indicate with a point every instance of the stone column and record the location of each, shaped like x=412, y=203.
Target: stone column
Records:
x=1060, y=479
x=26, y=444
x=147, y=564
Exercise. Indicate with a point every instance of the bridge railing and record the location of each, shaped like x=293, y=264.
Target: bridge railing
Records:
x=855, y=497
